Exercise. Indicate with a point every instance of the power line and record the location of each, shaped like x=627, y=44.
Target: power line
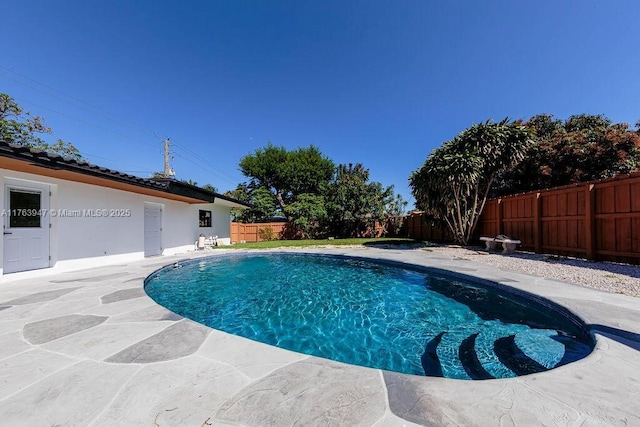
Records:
x=168, y=171
x=205, y=167
x=84, y=121
x=204, y=160
x=120, y=162
x=129, y=137
x=109, y=116
x=207, y=170
x=210, y=167
x=106, y=114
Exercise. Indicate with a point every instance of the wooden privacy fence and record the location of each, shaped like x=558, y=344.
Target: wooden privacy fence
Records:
x=420, y=227
x=249, y=232
x=241, y=232
x=598, y=220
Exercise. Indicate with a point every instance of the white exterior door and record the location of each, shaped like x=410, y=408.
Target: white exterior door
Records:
x=152, y=229
x=26, y=227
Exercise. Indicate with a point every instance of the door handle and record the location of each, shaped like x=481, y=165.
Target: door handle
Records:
x=6, y=232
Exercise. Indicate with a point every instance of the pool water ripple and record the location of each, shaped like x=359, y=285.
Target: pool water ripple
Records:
x=371, y=314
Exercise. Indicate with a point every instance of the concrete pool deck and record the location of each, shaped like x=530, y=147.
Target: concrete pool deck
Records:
x=90, y=348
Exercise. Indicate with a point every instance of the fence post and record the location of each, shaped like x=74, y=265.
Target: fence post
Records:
x=537, y=223
x=500, y=227
x=590, y=222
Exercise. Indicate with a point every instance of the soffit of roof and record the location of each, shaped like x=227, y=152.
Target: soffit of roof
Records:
x=229, y=203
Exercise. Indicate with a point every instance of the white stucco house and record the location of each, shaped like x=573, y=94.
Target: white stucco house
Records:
x=62, y=214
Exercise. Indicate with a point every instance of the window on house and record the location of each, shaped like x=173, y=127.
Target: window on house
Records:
x=205, y=218
x=25, y=208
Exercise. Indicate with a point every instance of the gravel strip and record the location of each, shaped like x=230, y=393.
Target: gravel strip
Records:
x=605, y=276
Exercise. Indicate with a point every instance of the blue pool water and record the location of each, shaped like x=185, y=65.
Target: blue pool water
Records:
x=371, y=314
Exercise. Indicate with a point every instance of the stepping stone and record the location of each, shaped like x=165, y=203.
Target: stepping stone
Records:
x=178, y=340
x=40, y=297
x=51, y=329
x=314, y=392
x=92, y=278
x=123, y=295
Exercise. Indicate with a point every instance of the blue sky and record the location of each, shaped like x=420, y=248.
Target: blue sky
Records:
x=380, y=83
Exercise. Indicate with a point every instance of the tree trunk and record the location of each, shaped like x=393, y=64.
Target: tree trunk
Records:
x=280, y=200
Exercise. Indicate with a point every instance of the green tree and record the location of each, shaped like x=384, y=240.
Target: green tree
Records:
x=263, y=204
x=454, y=182
x=20, y=127
x=396, y=211
x=355, y=205
x=306, y=215
x=296, y=179
x=287, y=174
x=241, y=192
x=207, y=187
x=210, y=187
x=583, y=148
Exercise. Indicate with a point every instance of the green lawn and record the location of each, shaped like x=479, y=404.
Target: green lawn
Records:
x=389, y=241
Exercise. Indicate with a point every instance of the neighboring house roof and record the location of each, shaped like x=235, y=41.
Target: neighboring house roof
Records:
x=23, y=159
x=276, y=218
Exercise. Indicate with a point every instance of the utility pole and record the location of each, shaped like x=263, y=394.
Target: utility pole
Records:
x=167, y=168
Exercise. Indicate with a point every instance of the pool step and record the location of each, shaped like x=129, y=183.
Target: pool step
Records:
x=573, y=350
x=430, y=360
x=514, y=358
x=503, y=351
x=469, y=359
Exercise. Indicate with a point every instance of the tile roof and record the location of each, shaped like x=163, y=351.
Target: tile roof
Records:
x=58, y=162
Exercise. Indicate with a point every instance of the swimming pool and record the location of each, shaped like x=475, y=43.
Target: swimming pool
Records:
x=398, y=318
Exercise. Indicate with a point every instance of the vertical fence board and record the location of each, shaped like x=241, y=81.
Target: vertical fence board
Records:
x=562, y=204
x=537, y=224
x=572, y=235
x=520, y=207
x=622, y=200
x=553, y=231
x=553, y=205
x=562, y=232
x=581, y=203
x=635, y=234
x=634, y=194
x=623, y=234
x=607, y=234
x=606, y=200
x=590, y=226
x=572, y=203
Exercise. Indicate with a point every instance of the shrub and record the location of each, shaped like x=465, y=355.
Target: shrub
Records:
x=267, y=233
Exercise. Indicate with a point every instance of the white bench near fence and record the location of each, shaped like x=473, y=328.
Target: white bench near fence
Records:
x=509, y=245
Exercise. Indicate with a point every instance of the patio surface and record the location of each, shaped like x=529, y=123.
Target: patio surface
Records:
x=90, y=348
